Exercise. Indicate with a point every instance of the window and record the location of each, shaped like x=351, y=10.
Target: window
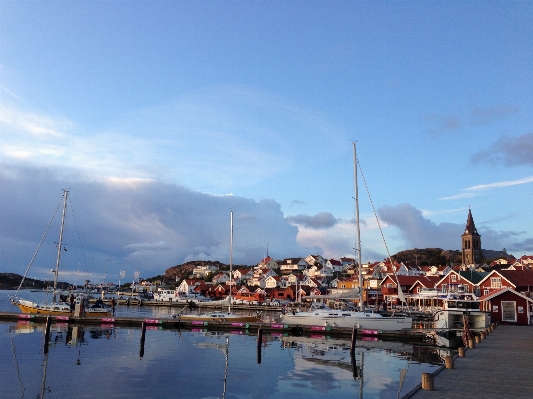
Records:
x=486, y=291
x=509, y=311
x=454, y=278
x=495, y=282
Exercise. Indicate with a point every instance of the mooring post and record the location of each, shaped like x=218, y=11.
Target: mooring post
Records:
x=471, y=344
x=47, y=334
x=259, y=342
x=461, y=351
x=482, y=335
x=478, y=339
x=354, y=337
x=427, y=382
x=448, y=361
x=143, y=335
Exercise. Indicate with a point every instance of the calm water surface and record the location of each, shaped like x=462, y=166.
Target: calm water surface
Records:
x=103, y=361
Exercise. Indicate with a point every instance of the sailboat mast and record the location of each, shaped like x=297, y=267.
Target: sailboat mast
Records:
x=59, y=245
x=357, y=229
x=230, y=257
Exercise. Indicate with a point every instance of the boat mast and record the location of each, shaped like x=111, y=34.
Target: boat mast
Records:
x=230, y=257
x=357, y=229
x=59, y=245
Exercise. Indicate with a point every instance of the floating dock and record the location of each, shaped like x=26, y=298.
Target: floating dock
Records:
x=176, y=323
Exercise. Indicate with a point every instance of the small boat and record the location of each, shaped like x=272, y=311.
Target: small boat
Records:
x=217, y=315
x=166, y=295
x=220, y=315
x=460, y=314
x=59, y=308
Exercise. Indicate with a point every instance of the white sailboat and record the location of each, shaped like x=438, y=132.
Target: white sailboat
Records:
x=217, y=315
x=322, y=315
x=56, y=308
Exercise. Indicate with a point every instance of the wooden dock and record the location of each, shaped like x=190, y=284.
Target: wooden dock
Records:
x=176, y=323
x=500, y=366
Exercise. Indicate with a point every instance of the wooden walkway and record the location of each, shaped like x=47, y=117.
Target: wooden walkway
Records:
x=500, y=366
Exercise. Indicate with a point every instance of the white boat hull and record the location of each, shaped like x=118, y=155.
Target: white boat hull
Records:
x=370, y=322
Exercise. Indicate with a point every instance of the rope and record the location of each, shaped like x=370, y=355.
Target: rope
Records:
x=39, y=246
x=381, y=232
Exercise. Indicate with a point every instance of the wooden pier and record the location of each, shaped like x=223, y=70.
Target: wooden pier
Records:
x=176, y=323
x=500, y=366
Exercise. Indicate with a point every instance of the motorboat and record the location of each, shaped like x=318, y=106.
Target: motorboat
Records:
x=217, y=315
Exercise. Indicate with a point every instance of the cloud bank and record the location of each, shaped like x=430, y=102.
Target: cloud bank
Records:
x=133, y=224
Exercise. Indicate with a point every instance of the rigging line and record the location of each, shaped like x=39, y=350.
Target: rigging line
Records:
x=382, y=235
x=74, y=214
x=39, y=246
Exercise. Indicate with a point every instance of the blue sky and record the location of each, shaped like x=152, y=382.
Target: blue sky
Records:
x=162, y=117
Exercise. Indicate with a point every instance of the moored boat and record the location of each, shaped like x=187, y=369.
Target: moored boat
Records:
x=59, y=308
x=322, y=315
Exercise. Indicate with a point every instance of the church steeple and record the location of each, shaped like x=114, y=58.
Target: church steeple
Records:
x=471, y=243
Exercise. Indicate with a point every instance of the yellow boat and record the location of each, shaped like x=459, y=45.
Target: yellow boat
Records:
x=56, y=308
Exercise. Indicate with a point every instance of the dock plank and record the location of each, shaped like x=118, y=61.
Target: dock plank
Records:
x=500, y=366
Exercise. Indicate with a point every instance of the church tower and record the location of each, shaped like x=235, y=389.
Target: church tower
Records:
x=471, y=243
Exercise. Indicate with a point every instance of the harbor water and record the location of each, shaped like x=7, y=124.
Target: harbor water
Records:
x=108, y=361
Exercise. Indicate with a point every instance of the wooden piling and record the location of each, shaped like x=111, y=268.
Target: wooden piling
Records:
x=471, y=344
x=478, y=339
x=482, y=335
x=47, y=334
x=461, y=351
x=448, y=361
x=143, y=336
x=259, y=343
x=427, y=382
x=354, y=337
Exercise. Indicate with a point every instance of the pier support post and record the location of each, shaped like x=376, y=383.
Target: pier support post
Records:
x=482, y=335
x=259, y=342
x=461, y=351
x=427, y=382
x=354, y=337
x=471, y=344
x=478, y=339
x=47, y=334
x=448, y=361
x=143, y=336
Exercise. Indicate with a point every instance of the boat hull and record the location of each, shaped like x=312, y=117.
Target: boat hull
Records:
x=51, y=309
x=362, y=322
x=220, y=316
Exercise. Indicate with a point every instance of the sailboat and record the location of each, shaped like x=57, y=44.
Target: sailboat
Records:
x=217, y=315
x=56, y=308
x=321, y=315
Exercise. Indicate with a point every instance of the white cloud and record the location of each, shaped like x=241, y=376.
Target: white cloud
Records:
x=481, y=188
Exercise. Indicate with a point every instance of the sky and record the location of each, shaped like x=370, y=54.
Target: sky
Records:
x=161, y=118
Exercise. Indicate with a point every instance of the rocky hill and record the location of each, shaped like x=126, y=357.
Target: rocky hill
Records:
x=185, y=270
x=428, y=256
x=11, y=281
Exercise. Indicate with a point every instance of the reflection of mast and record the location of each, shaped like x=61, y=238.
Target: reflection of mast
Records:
x=22, y=389
x=226, y=352
x=43, y=382
x=361, y=376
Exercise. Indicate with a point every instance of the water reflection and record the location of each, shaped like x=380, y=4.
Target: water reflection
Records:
x=100, y=361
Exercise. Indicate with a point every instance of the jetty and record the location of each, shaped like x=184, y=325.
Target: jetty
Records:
x=175, y=323
x=498, y=367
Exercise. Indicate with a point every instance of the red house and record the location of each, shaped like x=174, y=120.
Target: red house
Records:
x=508, y=306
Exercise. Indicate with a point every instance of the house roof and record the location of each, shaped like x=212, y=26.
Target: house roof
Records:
x=500, y=291
x=473, y=276
x=518, y=277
